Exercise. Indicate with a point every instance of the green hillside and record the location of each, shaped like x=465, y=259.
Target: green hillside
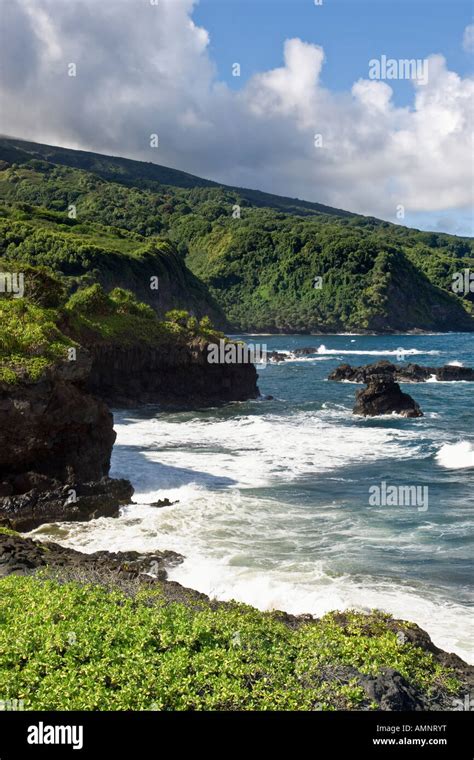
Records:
x=252, y=261
x=39, y=329
x=147, y=175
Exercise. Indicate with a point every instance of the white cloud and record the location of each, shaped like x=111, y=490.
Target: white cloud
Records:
x=145, y=69
x=468, y=39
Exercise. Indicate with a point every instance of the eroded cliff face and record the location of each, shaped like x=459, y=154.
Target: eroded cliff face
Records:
x=53, y=430
x=56, y=434
x=176, y=375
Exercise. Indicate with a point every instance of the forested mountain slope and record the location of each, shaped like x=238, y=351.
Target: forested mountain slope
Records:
x=252, y=261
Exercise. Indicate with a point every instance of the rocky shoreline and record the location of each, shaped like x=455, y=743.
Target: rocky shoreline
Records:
x=55, y=447
x=56, y=433
x=131, y=572
x=71, y=502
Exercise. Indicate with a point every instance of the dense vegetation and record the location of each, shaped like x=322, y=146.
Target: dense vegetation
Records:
x=75, y=647
x=87, y=253
x=269, y=263
x=38, y=330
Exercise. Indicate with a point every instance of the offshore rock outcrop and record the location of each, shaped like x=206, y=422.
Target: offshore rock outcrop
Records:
x=402, y=373
x=384, y=396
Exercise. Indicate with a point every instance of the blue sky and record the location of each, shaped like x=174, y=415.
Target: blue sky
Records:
x=351, y=32
x=252, y=32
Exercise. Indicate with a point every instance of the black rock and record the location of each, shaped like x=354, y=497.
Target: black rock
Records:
x=275, y=357
x=162, y=503
x=402, y=373
x=384, y=396
x=305, y=351
x=391, y=691
x=77, y=502
x=23, y=556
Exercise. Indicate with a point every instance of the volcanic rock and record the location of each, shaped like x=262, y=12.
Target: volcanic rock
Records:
x=402, y=373
x=75, y=502
x=384, y=396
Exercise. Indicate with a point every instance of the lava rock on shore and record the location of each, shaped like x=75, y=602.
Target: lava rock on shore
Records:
x=74, y=502
x=55, y=428
x=23, y=556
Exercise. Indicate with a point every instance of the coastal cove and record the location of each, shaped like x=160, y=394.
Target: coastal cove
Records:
x=270, y=498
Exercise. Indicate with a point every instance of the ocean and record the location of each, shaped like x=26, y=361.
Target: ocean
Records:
x=273, y=502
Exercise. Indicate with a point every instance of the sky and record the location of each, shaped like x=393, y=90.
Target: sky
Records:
x=312, y=112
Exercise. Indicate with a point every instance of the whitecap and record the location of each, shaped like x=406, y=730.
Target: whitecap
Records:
x=456, y=456
x=402, y=352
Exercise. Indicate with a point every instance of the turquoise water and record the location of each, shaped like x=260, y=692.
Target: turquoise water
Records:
x=273, y=496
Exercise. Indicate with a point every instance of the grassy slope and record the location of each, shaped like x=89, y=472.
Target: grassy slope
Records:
x=85, y=253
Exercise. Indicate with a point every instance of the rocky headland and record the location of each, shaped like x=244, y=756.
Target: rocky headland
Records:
x=62, y=363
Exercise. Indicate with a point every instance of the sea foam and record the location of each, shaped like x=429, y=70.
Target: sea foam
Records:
x=456, y=456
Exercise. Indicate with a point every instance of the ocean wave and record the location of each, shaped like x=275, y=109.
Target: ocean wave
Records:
x=249, y=450
x=388, y=352
x=456, y=456
x=292, y=358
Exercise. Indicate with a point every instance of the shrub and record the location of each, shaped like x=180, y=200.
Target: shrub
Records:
x=142, y=652
x=127, y=303
x=177, y=317
x=41, y=286
x=91, y=301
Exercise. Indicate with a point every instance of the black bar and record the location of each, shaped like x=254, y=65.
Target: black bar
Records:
x=322, y=734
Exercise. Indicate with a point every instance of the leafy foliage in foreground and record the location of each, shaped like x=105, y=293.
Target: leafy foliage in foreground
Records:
x=72, y=647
